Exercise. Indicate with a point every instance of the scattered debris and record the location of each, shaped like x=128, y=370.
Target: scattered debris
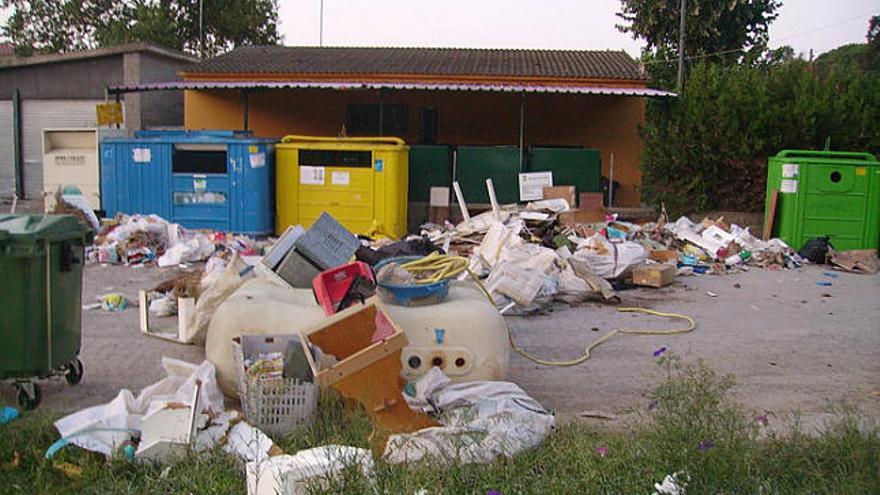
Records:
x=481, y=421
x=672, y=484
x=598, y=415
x=711, y=294
x=7, y=414
x=856, y=261
x=292, y=474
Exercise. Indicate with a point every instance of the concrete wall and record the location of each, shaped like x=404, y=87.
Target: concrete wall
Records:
x=608, y=123
x=160, y=108
x=75, y=80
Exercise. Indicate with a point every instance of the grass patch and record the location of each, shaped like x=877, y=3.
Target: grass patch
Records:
x=695, y=427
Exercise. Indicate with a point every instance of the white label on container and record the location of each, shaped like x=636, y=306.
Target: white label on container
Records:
x=258, y=160
x=531, y=185
x=789, y=170
x=439, y=197
x=789, y=186
x=339, y=178
x=311, y=175
x=141, y=155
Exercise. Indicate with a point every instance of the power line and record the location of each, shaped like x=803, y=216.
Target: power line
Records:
x=724, y=52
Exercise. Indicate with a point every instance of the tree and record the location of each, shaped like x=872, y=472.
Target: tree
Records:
x=722, y=31
x=52, y=26
x=872, y=56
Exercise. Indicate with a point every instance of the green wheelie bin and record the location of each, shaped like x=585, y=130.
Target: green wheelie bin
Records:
x=41, y=264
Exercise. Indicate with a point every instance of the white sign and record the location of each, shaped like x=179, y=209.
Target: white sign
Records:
x=788, y=186
x=789, y=170
x=258, y=160
x=532, y=184
x=339, y=178
x=311, y=175
x=141, y=155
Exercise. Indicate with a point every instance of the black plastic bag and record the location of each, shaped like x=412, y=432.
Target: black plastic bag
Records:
x=816, y=250
x=419, y=246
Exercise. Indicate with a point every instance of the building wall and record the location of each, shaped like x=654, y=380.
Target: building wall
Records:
x=160, y=108
x=84, y=79
x=604, y=122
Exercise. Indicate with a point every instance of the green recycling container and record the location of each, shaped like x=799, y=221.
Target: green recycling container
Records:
x=825, y=193
x=41, y=262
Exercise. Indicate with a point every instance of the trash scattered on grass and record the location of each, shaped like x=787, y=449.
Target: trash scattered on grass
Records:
x=672, y=484
x=7, y=414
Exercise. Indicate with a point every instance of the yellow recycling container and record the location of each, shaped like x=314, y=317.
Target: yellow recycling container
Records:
x=360, y=181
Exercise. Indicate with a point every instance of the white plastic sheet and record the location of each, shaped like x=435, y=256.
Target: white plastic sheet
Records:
x=125, y=411
x=481, y=421
x=610, y=259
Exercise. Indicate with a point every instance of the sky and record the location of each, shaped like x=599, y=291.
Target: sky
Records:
x=562, y=24
x=820, y=25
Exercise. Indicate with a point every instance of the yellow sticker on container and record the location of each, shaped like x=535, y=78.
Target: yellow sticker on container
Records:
x=861, y=171
x=253, y=149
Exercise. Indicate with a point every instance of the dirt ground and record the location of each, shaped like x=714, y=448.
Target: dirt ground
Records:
x=793, y=345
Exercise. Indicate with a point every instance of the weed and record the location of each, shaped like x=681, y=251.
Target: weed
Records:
x=695, y=427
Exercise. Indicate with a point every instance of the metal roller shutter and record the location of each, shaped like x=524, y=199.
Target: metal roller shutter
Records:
x=7, y=167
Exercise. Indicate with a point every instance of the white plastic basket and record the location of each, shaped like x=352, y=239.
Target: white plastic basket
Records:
x=277, y=406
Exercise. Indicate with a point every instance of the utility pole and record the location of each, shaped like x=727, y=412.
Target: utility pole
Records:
x=201, y=30
x=321, y=30
x=681, y=46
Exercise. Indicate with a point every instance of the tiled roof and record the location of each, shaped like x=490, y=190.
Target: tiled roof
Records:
x=575, y=64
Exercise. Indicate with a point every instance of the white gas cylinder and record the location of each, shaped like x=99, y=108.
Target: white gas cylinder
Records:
x=464, y=335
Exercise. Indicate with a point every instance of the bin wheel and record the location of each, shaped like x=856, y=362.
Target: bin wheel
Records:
x=25, y=401
x=74, y=373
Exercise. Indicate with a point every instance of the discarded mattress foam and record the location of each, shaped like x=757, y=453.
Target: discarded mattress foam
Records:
x=481, y=422
x=259, y=307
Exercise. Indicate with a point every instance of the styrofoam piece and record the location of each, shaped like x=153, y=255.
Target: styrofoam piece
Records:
x=169, y=432
x=291, y=474
x=248, y=443
x=515, y=282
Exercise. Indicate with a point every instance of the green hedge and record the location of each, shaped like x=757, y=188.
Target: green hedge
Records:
x=708, y=149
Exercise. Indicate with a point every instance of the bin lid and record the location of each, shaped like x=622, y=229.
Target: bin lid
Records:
x=31, y=228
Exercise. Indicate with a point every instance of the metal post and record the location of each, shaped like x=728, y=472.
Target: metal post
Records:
x=682, y=16
x=321, y=29
x=16, y=145
x=381, y=113
x=244, y=102
x=522, y=120
x=201, y=30
x=611, y=182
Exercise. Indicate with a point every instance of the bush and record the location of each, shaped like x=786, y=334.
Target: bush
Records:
x=708, y=149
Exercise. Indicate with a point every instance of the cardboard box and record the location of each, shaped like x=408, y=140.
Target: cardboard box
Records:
x=582, y=216
x=591, y=200
x=659, y=275
x=568, y=193
x=663, y=255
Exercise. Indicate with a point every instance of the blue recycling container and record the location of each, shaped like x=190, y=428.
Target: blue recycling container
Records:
x=220, y=180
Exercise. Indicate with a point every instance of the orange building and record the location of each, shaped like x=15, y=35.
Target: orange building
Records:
x=524, y=98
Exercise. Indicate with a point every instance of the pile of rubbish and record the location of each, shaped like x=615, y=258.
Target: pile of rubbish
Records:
x=143, y=240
